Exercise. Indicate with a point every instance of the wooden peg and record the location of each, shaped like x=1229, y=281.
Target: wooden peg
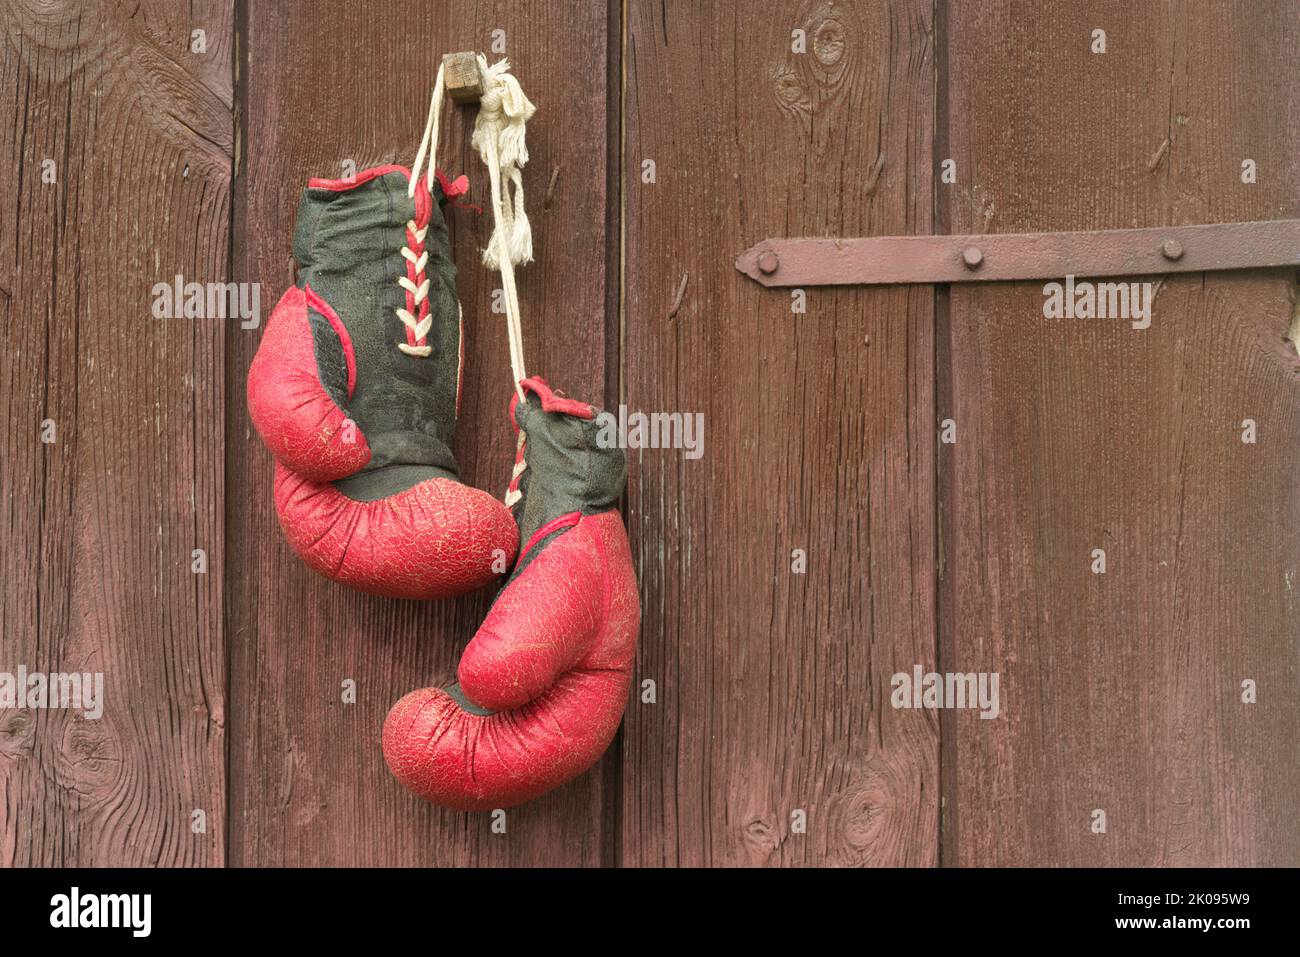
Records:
x=460, y=76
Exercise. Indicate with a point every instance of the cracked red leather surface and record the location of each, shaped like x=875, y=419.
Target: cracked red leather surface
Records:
x=433, y=540
x=553, y=658
x=437, y=539
x=290, y=408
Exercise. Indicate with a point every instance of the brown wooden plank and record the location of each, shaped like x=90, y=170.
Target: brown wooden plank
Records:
x=309, y=785
x=1121, y=691
x=99, y=525
x=773, y=687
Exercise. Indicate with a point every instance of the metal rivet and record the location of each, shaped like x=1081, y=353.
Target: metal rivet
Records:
x=767, y=262
x=1172, y=249
x=972, y=257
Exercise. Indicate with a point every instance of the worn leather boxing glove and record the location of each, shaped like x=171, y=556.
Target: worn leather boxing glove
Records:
x=355, y=389
x=543, y=684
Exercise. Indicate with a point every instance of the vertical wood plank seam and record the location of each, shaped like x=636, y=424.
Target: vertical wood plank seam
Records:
x=942, y=386
x=239, y=72
x=611, y=792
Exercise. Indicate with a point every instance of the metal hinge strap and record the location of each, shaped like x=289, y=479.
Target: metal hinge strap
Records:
x=1009, y=256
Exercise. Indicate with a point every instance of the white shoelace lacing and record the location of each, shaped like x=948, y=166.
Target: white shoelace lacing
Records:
x=414, y=252
x=499, y=137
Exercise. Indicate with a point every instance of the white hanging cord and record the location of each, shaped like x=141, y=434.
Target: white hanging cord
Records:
x=429, y=141
x=503, y=112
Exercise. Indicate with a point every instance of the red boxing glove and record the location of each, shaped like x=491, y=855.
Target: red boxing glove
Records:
x=543, y=684
x=355, y=389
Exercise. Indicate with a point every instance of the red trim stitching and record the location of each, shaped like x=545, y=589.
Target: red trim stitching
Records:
x=340, y=330
x=514, y=405
x=452, y=188
x=554, y=525
x=365, y=176
x=519, y=457
x=552, y=401
x=423, y=209
x=519, y=449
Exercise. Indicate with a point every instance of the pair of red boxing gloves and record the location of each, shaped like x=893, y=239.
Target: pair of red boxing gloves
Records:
x=355, y=390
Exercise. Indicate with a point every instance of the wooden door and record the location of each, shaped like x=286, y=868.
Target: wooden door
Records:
x=828, y=537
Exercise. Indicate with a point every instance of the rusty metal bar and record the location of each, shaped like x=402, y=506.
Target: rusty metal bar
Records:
x=935, y=259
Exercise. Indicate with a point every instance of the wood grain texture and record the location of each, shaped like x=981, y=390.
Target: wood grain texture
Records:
x=773, y=686
x=1122, y=691
x=99, y=525
x=308, y=780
